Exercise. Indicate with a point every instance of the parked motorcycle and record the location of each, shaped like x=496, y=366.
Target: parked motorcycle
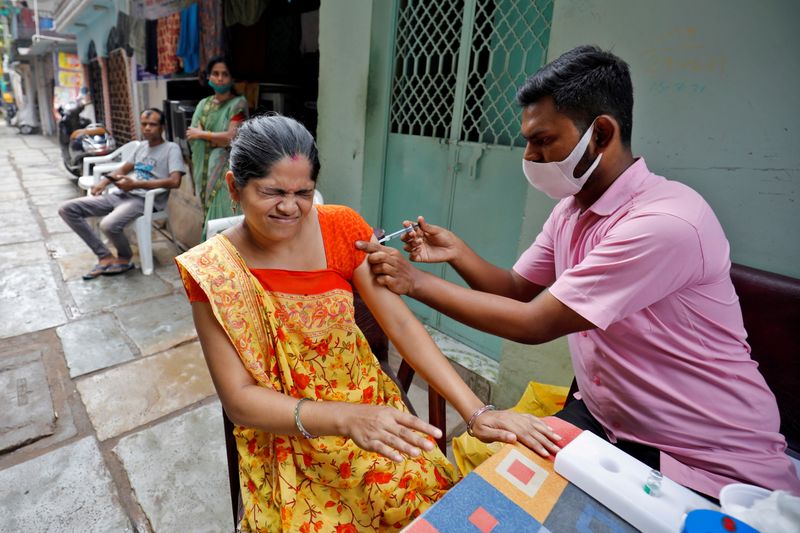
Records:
x=80, y=138
x=10, y=110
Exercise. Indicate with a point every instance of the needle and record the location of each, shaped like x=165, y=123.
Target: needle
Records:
x=398, y=233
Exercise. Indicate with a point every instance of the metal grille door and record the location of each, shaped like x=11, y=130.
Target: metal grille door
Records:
x=508, y=43
x=426, y=58
x=458, y=64
x=453, y=151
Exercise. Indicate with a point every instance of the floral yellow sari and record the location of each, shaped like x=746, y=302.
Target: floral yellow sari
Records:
x=295, y=333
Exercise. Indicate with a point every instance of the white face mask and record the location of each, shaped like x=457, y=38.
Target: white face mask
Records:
x=556, y=178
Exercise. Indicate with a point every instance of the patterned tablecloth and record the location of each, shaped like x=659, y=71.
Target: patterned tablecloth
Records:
x=517, y=491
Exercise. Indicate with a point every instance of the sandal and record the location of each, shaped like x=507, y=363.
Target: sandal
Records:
x=95, y=272
x=117, y=268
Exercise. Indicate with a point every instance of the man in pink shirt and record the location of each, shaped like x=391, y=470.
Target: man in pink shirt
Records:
x=634, y=268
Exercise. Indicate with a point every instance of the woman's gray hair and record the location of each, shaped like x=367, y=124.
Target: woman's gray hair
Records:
x=263, y=141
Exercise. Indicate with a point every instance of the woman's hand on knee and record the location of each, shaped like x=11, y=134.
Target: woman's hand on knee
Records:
x=387, y=431
x=511, y=426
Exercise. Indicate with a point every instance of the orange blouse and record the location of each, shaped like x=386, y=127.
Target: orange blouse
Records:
x=341, y=227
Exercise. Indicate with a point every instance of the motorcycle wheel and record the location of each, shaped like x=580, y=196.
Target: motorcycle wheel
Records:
x=25, y=129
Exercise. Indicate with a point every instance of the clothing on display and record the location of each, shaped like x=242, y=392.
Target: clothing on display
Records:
x=151, y=46
x=244, y=12
x=169, y=29
x=210, y=14
x=189, y=39
x=137, y=39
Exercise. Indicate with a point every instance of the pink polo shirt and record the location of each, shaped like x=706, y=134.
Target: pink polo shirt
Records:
x=668, y=365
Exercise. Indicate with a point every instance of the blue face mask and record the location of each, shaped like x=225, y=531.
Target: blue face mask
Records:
x=220, y=89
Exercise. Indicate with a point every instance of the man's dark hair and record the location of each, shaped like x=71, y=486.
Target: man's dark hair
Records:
x=585, y=82
x=161, y=118
x=264, y=140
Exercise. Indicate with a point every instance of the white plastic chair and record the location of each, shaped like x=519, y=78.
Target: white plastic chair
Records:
x=104, y=163
x=144, y=224
x=218, y=225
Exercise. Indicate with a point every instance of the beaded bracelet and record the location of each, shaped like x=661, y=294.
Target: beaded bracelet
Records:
x=297, y=421
x=478, y=412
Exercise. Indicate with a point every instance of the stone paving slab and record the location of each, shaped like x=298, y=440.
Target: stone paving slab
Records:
x=8, y=187
x=189, y=491
x=27, y=413
x=12, y=195
x=29, y=300
x=48, y=210
x=54, y=197
x=69, y=489
x=113, y=291
x=12, y=208
x=158, y=324
x=43, y=180
x=47, y=187
x=67, y=244
x=23, y=217
x=20, y=233
x=24, y=253
x=56, y=225
x=22, y=155
x=74, y=266
x=170, y=274
x=93, y=343
x=128, y=396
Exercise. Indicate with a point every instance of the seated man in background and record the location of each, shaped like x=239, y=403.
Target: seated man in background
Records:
x=635, y=269
x=155, y=164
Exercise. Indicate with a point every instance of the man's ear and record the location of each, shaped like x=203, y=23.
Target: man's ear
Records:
x=232, y=188
x=606, y=128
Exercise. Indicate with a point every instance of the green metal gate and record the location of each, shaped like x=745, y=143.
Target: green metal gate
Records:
x=454, y=151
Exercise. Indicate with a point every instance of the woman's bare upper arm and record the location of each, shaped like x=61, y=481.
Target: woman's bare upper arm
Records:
x=388, y=308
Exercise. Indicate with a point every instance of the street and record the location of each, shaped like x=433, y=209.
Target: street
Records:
x=109, y=421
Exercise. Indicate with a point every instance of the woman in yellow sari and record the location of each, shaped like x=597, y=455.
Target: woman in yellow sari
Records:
x=325, y=442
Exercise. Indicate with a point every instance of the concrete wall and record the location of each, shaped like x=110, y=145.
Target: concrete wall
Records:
x=344, y=44
x=97, y=29
x=716, y=87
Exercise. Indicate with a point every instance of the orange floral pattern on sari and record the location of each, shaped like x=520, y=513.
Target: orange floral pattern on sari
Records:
x=308, y=346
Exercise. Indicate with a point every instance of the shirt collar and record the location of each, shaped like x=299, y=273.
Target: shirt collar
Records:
x=626, y=186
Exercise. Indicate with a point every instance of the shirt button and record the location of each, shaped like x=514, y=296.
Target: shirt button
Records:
x=615, y=424
x=596, y=380
x=584, y=334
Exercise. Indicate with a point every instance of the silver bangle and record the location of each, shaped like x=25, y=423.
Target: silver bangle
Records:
x=478, y=412
x=297, y=421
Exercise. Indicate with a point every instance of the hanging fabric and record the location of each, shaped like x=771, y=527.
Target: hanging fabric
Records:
x=244, y=12
x=169, y=28
x=151, y=46
x=309, y=24
x=189, y=39
x=123, y=33
x=210, y=30
x=138, y=40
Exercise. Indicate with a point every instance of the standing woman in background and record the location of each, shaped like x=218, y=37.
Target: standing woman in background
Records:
x=214, y=124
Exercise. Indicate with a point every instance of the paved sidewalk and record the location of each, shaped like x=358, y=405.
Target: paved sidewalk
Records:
x=109, y=421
